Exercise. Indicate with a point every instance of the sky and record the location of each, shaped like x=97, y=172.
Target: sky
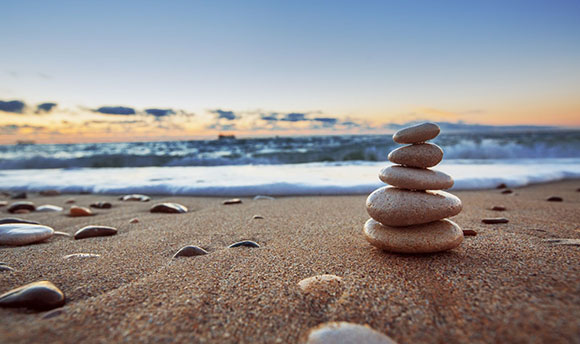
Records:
x=88, y=71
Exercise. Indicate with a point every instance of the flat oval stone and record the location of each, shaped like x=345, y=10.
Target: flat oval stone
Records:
x=16, y=234
x=82, y=255
x=16, y=220
x=399, y=207
x=101, y=205
x=495, y=220
x=415, y=178
x=169, y=208
x=135, y=198
x=431, y=237
x=554, y=199
x=232, y=201
x=22, y=205
x=41, y=295
x=94, y=231
x=244, y=243
x=190, y=251
x=346, y=333
x=48, y=208
x=76, y=211
x=421, y=155
x=498, y=208
x=417, y=133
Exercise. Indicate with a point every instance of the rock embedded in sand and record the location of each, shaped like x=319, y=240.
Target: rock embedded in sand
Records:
x=134, y=220
x=101, y=205
x=417, y=133
x=42, y=295
x=244, y=243
x=17, y=234
x=346, y=333
x=322, y=286
x=415, y=178
x=495, y=220
x=502, y=186
x=507, y=191
x=16, y=220
x=82, y=255
x=469, y=232
x=190, y=251
x=48, y=208
x=232, y=201
x=554, y=199
x=76, y=211
x=421, y=155
x=22, y=205
x=398, y=207
x=22, y=211
x=94, y=231
x=168, y=208
x=135, y=198
x=70, y=201
x=257, y=217
x=498, y=208
x=432, y=237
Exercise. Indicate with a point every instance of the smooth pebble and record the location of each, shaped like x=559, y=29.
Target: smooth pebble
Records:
x=421, y=155
x=169, y=208
x=16, y=234
x=22, y=205
x=415, y=178
x=48, y=208
x=94, y=231
x=42, y=295
x=244, y=243
x=417, y=133
x=346, y=333
x=190, y=251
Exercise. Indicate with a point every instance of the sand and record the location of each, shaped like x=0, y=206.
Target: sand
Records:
x=504, y=285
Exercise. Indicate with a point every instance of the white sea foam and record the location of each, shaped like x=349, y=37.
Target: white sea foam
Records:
x=291, y=179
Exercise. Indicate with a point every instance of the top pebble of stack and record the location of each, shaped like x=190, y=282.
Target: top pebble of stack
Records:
x=417, y=133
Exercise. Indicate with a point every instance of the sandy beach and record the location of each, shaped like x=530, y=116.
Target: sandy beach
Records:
x=506, y=284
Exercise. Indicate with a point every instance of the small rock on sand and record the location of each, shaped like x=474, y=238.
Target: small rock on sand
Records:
x=567, y=242
x=3, y=204
x=70, y=201
x=346, y=333
x=42, y=295
x=82, y=255
x=135, y=198
x=257, y=217
x=232, y=201
x=190, y=251
x=469, y=232
x=94, y=231
x=168, y=208
x=134, y=220
x=554, y=199
x=101, y=205
x=498, y=208
x=62, y=234
x=22, y=205
x=5, y=268
x=324, y=286
x=507, y=191
x=20, y=195
x=244, y=243
x=17, y=234
x=48, y=208
x=76, y=211
x=494, y=220
x=16, y=220
x=502, y=186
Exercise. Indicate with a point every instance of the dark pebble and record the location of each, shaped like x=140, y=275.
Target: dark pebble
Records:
x=169, y=208
x=21, y=195
x=5, y=268
x=257, y=217
x=578, y=190
x=469, y=232
x=498, y=208
x=494, y=220
x=70, y=201
x=190, y=251
x=245, y=243
x=233, y=201
x=41, y=295
x=507, y=191
x=101, y=205
x=16, y=220
x=554, y=199
x=501, y=186
x=94, y=231
x=22, y=205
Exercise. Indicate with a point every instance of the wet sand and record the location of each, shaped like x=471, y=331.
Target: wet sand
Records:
x=507, y=284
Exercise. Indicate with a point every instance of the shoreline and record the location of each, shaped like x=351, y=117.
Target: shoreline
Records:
x=505, y=284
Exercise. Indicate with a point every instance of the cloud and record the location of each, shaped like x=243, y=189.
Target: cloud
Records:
x=14, y=106
x=116, y=110
x=326, y=120
x=160, y=112
x=45, y=107
x=295, y=117
x=229, y=115
x=271, y=117
x=15, y=128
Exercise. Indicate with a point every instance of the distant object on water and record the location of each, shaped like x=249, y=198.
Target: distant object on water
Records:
x=226, y=137
x=25, y=142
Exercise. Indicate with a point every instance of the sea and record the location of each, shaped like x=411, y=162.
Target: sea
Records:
x=300, y=165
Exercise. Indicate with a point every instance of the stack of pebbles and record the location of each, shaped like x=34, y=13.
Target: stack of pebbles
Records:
x=410, y=217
